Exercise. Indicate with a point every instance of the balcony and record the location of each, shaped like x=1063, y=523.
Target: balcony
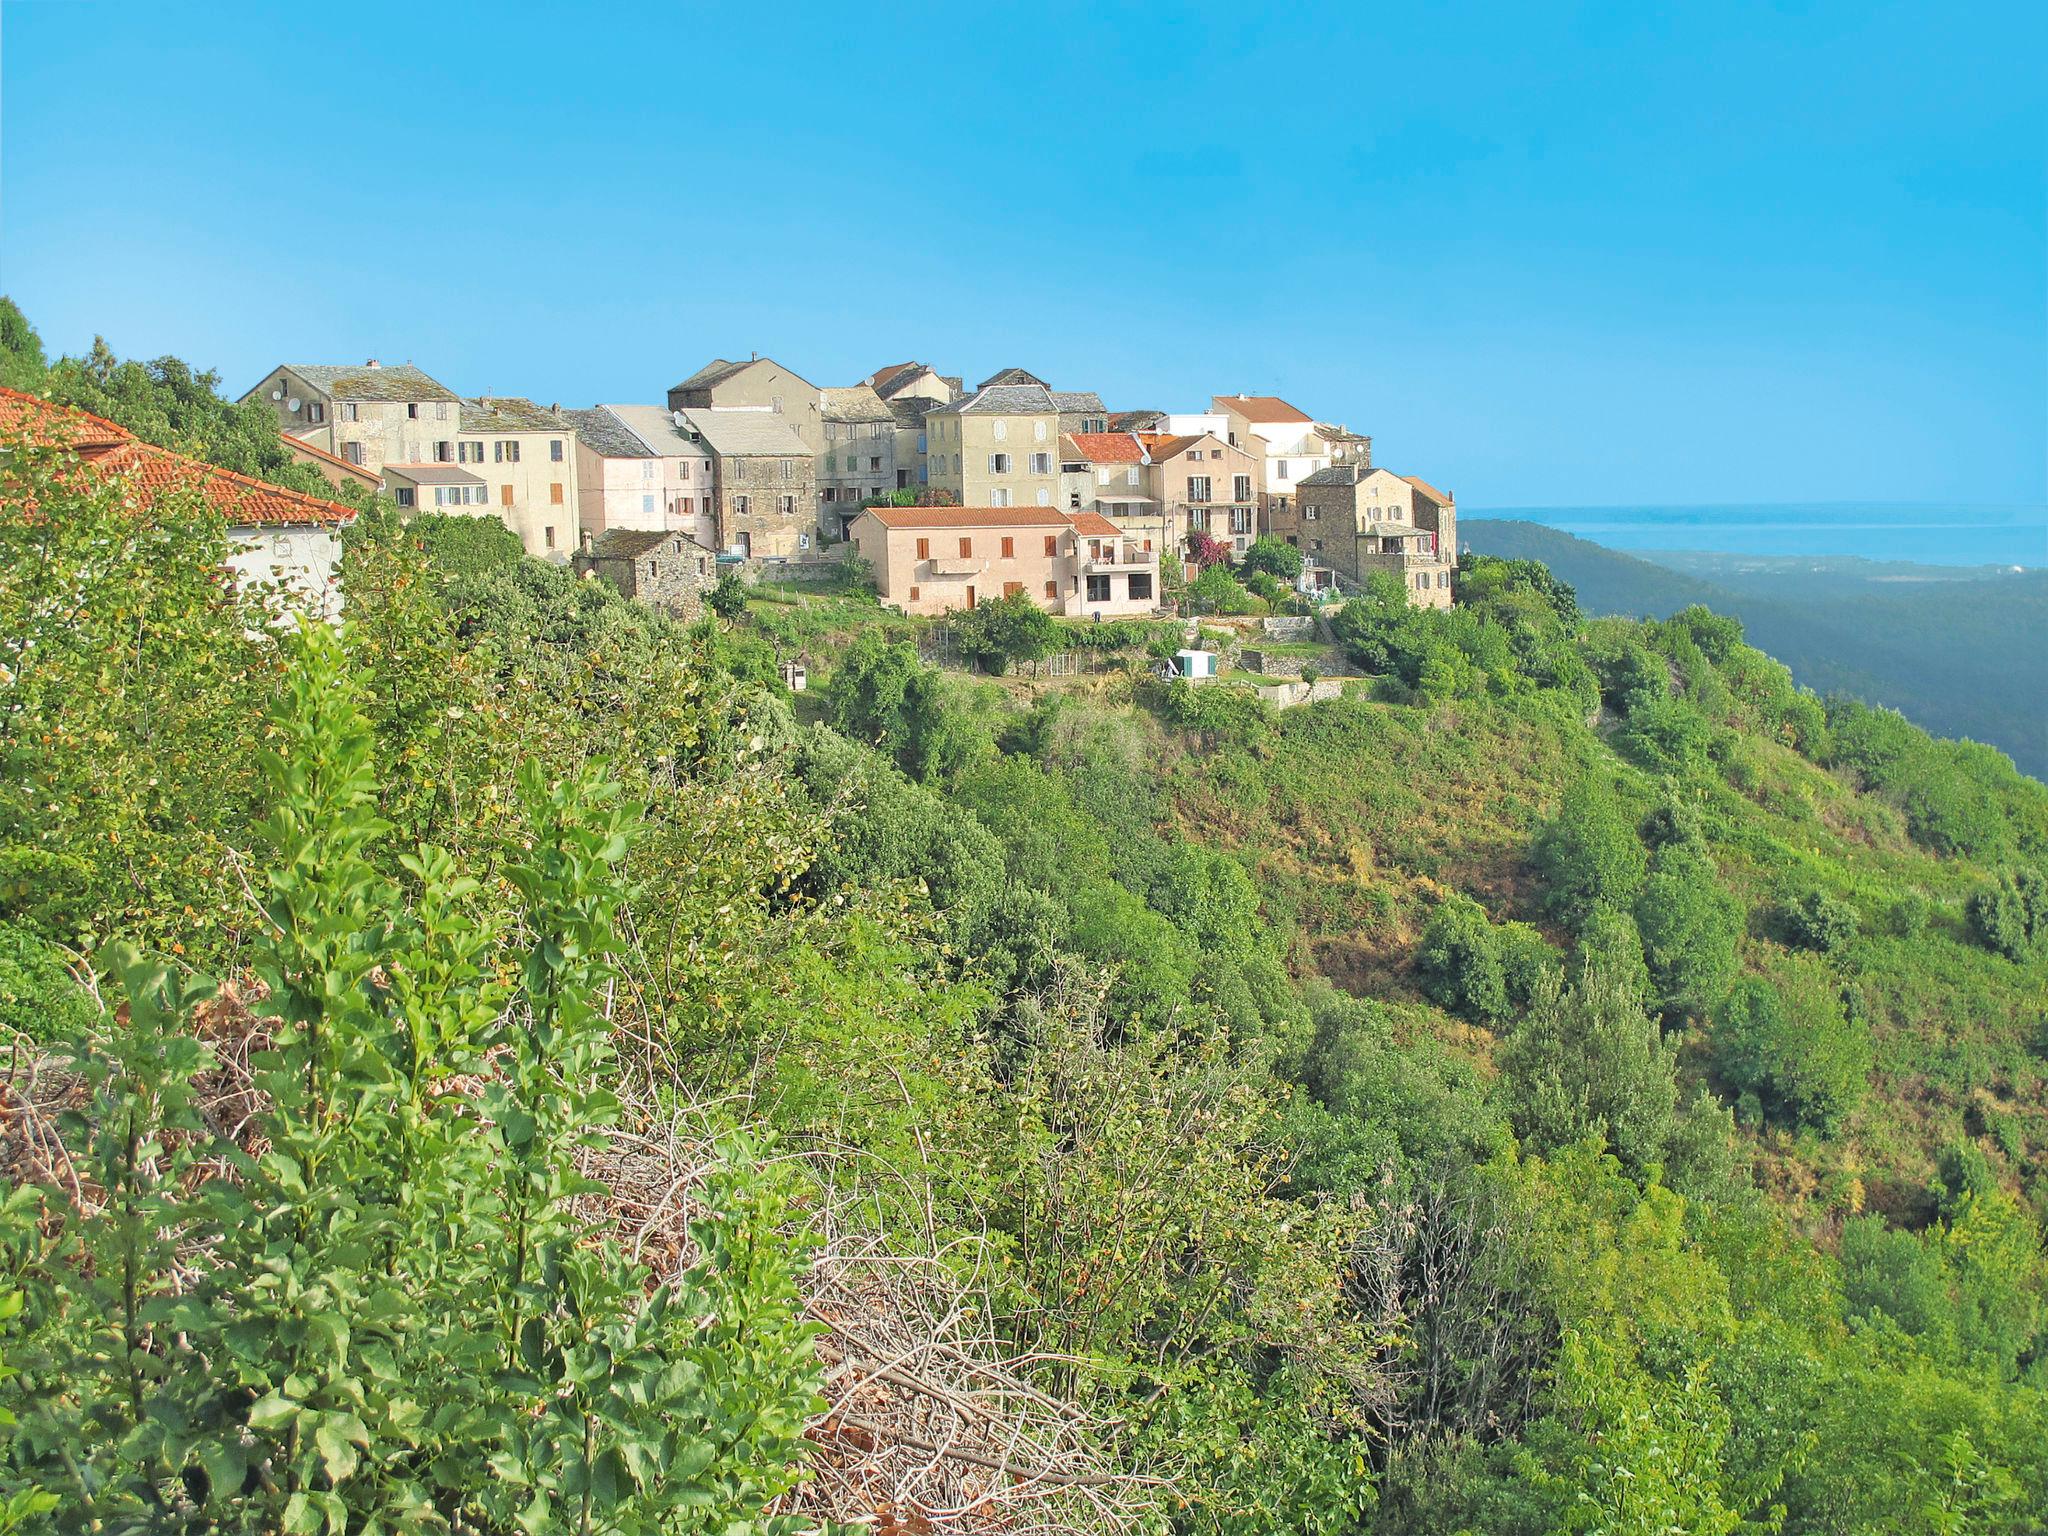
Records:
x=1103, y=556
x=957, y=565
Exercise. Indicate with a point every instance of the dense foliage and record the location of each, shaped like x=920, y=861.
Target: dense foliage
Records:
x=1576, y=1081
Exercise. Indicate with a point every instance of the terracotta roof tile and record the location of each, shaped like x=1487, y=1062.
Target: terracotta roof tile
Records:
x=149, y=471
x=968, y=517
x=1106, y=447
x=1095, y=525
x=1435, y=495
x=1257, y=408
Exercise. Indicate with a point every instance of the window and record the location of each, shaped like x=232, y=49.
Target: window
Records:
x=440, y=410
x=555, y=494
x=1308, y=513
x=549, y=534
x=1240, y=519
x=506, y=450
x=1280, y=468
x=1131, y=475
x=739, y=506
x=1041, y=464
x=444, y=453
x=1141, y=586
x=913, y=594
x=1052, y=543
x=1052, y=591
x=1038, y=431
x=353, y=452
x=874, y=463
x=999, y=497
x=1198, y=488
x=803, y=541
x=469, y=453
x=316, y=412
x=1002, y=431
x=1241, y=488
x=1045, y=498
x=1012, y=588
x=787, y=471
x=966, y=548
x=956, y=463
x=412, y=410
x=1194, y=455
x=828, y=493
x=555, y=449
x=999, y=463
x=775, y=404
x=924, y=549
x=646, y=504
x=1009, y=547
x=1098, y=589
x=504, y=495
x=789, y=506
x=1102, y=477
x=407, y=496
x=348, y=410
x=682, y=469
x=1074, y=501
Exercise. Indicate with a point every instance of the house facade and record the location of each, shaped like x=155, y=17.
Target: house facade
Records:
x=1282, y=439
x=1361, y=521
x=1111, y=475
x=921, y=381
x=913, y=469
x=662, y=568
x=1081, y=410
x=526, y=454
x=1206, y=485
x=934, y=560
x=859, y=461
x=998, y=447
x=636, y=468
x=760, y=383
x=336, y=470
x=764, y=489
x=366, y=416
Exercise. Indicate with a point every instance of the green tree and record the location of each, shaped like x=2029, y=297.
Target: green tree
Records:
x=1276, y=557
x=728, y=596
x=1819, y=921
x=1588, y=856
x=1689, y=925
x=1809, y=1068
x=22, y=364
x=882, y=694
x=1005, y=630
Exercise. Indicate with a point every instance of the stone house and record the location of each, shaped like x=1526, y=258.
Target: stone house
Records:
x=913, y=471
x=336, y=470
x=366, y=416
x=933, y=560
x=526, y=454
x=1360, y=521
x=445, y=488
x=1281, y=437
x=1139, y=421
x=859, y=461
x=274, y=535
x=1206, y=485
x=913, y=380
x=760, y=383
x=660, y=567
x=997, y=447
x=1012, y=376
x=764, y=489
x=636, y=467
x=1081, y=410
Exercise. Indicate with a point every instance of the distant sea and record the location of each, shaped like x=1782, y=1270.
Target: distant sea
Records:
x=1926, y=534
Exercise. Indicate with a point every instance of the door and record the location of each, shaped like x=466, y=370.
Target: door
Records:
x=746, y=544
x=970, y=597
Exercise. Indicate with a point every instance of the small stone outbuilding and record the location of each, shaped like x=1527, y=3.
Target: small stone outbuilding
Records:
x=659, y=567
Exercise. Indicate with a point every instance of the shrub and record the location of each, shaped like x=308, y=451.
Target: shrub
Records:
x=1221, y=592
x=1273, y=557
x=1806, y=1068
x=2009, y=916
x=38, y=996
x=1588, y=855
x=728, y=596
x=1819, y=921
x=1689, y=924
x=1004, y=630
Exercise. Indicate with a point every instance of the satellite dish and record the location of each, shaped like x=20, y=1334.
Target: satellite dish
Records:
x=292, y=405
x=277, y=394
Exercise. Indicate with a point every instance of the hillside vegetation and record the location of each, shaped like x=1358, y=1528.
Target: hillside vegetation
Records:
x=1962, y=652
x=507, y=1067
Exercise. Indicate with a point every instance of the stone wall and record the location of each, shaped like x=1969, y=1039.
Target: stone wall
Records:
x=1267, y=664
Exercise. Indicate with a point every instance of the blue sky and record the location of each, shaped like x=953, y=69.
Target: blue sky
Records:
x=1543, y=253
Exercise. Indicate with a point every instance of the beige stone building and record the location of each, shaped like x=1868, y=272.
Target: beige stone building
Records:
x=1206, y=485
x=1281, y=437
x=1360, y=521
x=859, y=461
x=913, y=468
x=998, y=447
x=1111, y=474
x=933, y=560
x=900, y=381
x=764, y=482
x=337, y=471
x=526, y=455
x=638, y=468
x=366, y=416
x=760, y=383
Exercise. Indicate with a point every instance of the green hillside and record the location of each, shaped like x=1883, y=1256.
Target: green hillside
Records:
x=1962, y=652
x=508, y=1066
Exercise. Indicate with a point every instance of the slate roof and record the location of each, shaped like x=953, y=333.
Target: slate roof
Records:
x=1079, y=400
x=1162, y=446
x=1338, y=434
x=399, y=381
x=1135, y=421
x=1441, y=498
x=298, y=445
x=1336, y=474
x=1013, y=376
x=909, y=410
x=898, y=377
x=433, y=474
x=1002, y=400
x=715, y=372
x=1105, y=447
x=104, y=449
x=1258, y=408
x=1392, y=530
x=510, y=413
x=747, y=434
x=607, y=436
x=859, y=403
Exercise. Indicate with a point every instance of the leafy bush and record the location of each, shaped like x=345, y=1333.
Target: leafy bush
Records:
x=882, y=694
x=1689, y=925
x=1588, y=856
x=1820, y=922
x=38, y=996
x=1219, y=591
x=1004, y=630
x=1482, y=972
x=2009, y=916
x=1806, y=1068
x=1273, y=557
x=728, y=596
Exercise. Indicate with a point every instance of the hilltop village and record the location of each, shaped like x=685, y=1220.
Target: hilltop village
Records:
x=949, y=495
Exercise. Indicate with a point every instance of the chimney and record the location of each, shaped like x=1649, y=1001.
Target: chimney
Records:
x=373, y=363
x=589, y=540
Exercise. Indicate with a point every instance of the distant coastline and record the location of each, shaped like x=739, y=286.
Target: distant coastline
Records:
x=1921, y=533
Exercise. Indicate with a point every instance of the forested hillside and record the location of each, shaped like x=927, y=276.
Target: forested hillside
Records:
x=1962, y=652
x=508, y=1066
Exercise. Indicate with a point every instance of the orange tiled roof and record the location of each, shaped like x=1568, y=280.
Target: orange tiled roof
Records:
x=968, y=517
x=1094, y=524
x=1258, y=407
x=300, y=445
x=1106, y=447
x=1164, y=445
x=104, y=448
x=1429, y=490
